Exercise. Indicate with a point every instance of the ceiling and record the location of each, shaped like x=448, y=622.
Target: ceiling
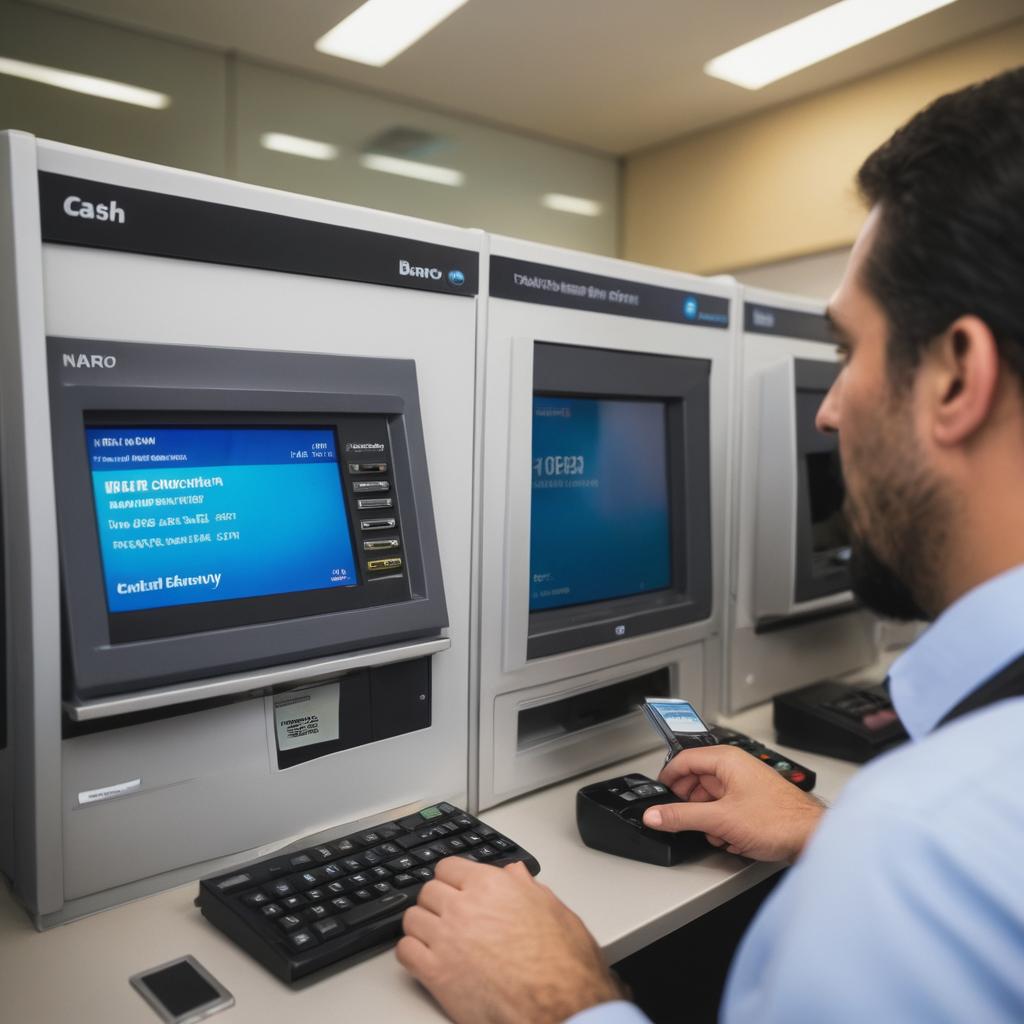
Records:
x=606, y=75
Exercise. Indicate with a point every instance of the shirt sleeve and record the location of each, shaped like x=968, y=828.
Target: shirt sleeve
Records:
x=895, y=912
x=619, y=1012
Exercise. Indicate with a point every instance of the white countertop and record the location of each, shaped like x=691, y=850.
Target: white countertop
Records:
x=79, y=972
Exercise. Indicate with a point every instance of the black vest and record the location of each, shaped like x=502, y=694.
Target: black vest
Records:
x=1003, y=685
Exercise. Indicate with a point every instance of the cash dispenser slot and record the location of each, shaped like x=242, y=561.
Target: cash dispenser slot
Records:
x=560, y=718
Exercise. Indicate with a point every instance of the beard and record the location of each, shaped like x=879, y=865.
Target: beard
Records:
x=877, y=587
x=899, y=527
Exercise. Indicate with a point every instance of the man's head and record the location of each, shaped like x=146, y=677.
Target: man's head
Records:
x=930, y=320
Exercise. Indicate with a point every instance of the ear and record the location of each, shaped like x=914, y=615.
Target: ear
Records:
x=963, y=380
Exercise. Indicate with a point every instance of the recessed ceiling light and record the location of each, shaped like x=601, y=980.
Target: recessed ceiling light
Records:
x=380, y=30
x=102, y=87
x=814, y=38
x=572, y=204
x=295, y=145
x=412, y=169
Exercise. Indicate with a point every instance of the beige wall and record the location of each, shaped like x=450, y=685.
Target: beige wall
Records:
x=779, y=185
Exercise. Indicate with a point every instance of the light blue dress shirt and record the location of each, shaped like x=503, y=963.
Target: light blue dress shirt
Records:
x=908, y=903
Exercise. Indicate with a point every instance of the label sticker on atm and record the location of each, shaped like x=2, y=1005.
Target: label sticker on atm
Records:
x=304, y=717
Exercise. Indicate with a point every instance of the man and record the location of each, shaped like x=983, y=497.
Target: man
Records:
x=906, y=901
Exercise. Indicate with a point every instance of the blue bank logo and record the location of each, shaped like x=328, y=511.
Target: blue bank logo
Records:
x=457, y=278
x=690, y=308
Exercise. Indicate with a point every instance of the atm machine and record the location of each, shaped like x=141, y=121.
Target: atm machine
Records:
x=600, y=546
x=791, y=618
x=237, y=459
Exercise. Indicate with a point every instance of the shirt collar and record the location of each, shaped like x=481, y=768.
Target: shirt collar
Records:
x=967, y=644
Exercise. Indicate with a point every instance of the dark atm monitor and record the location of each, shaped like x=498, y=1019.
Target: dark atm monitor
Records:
x=234, y=509
x=822, y=540
x=620, y=502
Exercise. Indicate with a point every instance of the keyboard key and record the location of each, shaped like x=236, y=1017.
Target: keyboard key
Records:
x=289, y=922
x=401, y=863
x=455, y=844
x=301, y=860
x=332, y=871
x=317, y=912
x=328, y=928
x=279, y=888
x=464, y=821
x=502, y=844
x=371, y=857
x=256, y=899
x=344, y=846
x=471, y=839
x=342, y=903
x=301, y=940
x=324, y=853
x=352, y=864
x=486, y=851
x=447, y=808
x=271, y=910
x=426, y=855
x=370, y=838
x=235, y=882
x=404, y=879
x=484, y=830
x=308, y=879
x=390, y=849
x=424, y=873
x=389, y=831
x=389, y=904
x=337, y=888
x=291, y=902
x=379, y=873
x=363, y=895
x=315, y=895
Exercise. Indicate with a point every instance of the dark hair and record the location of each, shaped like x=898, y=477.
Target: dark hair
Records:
x=950, y=188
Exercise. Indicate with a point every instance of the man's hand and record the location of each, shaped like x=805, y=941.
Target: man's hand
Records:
x=495, y=947
x=738, y=802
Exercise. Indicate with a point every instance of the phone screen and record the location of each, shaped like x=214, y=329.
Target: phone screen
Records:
x=679, y=715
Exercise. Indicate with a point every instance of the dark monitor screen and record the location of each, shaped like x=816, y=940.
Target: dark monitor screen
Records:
x=826, y=491
x=189, y=515
x=600, y=500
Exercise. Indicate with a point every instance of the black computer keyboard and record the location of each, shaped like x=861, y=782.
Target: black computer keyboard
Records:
x=299, y=912
x=801, y=777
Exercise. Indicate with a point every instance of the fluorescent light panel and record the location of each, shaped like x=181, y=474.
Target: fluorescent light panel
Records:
x=412, y=169
x=295, y=145
x=379, y=30
x=815, y=38
x=572, y=204
x=102, y=87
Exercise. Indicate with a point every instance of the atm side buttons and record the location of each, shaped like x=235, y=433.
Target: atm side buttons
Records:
x=387, y=544
x=384, y=523
x=382, y=564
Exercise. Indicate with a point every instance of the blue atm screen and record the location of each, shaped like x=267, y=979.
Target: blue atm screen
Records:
x=194, y=514
x=599, y=524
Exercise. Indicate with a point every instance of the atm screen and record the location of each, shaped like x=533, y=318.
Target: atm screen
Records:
x=188, y=515
x=826, y=489
x=599, y=524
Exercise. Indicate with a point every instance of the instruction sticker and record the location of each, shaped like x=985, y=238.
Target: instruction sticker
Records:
x=303, y=717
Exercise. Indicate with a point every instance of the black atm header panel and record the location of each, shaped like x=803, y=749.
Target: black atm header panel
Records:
x=75, y=211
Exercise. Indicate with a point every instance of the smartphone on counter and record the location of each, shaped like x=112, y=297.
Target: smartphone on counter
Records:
x=676, y=721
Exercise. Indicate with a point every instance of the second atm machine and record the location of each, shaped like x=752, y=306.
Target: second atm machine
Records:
x=237, y=487
x=600, y=547
x=791, y=618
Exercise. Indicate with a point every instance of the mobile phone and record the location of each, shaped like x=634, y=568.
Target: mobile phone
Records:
x=676, y=721
x=182, y=991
